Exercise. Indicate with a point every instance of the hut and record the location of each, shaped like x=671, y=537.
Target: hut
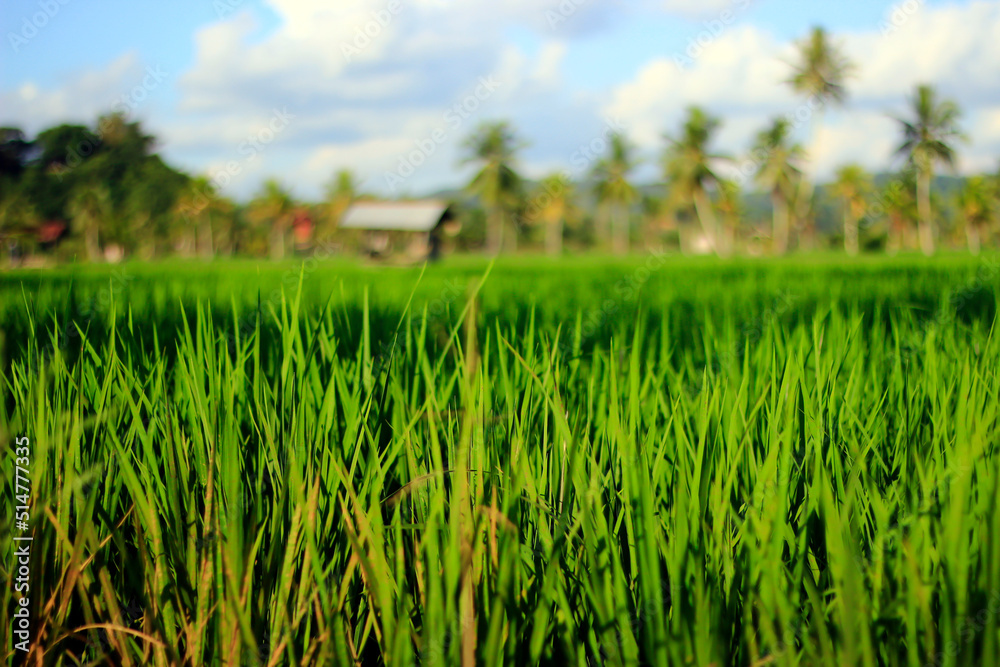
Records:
x=411, y=227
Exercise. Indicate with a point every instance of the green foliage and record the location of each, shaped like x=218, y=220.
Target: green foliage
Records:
x=689, y=169
x=777, y=158
x=339, y=194
x=929, y=136
x=614, y=191
x=273, y=210
x=821, y=68
x=497, y=185
x=68, y=163
x=928, y=139
x=853, y=186
x=552, y=206
x=779, y=173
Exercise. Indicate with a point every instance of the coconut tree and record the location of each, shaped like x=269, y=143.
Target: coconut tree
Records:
x=900, y=206
x=90, y=209
x=853, y=185
x=731, y=210
x=116, y=131
x=978, y=206
x=657, y=217
x=552, y=207
x=273, y=208
x=198, y=210
x=18, y=215
x=340, y=193
x=993, y=188
x=15, y=152
x=688, y=168
x=818, y=74
x=614, y=191
x=497, y=184
x=928, y=139
x=778, y=172
x=138, y=232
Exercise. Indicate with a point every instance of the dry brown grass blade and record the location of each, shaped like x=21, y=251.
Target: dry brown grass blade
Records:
x=411, y=486
x=110, y=627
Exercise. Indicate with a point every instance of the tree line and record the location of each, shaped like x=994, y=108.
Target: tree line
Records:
x=75, y=192
x=709, y=187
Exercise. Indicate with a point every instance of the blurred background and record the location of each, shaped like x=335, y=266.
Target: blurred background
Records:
x=273, y=129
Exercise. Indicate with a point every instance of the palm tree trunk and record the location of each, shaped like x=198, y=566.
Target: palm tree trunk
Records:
x=850, y=232
x=277, y=241
x=619, y=223
x=803, y=207
x=727, y=234
x=780, y=240
x=895, y=240
x=973, y=237
x=553, y=237
x=207, y=249
x=603, y=226
x=494, y=231
x=724, y=239
x=703, y=207
x=91, y=242
x=804, y=213
x=924, y=211
x=709, y=225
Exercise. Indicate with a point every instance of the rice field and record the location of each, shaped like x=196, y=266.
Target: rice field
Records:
x=636, y=462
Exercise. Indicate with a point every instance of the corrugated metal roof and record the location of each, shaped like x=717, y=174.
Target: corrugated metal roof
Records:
x=410, y=216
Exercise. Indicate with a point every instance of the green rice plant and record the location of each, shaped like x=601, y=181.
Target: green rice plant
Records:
x=591, y=463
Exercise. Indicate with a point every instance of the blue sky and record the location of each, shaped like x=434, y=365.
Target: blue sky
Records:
x=242, y=90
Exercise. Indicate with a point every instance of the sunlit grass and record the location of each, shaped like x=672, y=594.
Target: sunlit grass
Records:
x=775, y=463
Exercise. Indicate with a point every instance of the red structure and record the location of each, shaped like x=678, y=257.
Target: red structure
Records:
x=302, y=229
x=49, y=232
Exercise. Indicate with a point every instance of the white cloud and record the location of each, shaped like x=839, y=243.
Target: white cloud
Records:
x=869, y=138
x=366, y=79
x=368, y=158
x=956, y=47
x=81, y=99
x=983, y=154
x=703, y=8
x=740, y=76
x=549, y=62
